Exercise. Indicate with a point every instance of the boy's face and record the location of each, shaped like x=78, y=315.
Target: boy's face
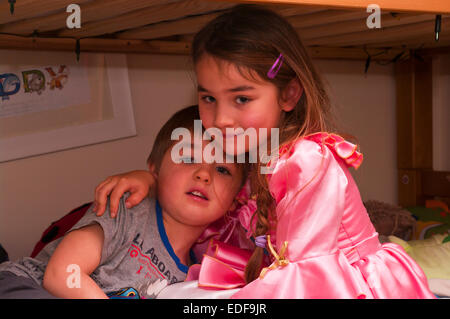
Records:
x=197, y=194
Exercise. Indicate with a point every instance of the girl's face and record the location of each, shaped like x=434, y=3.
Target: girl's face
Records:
x=226, y=99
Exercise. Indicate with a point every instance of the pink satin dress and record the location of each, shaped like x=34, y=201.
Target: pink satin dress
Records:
x=332, y=249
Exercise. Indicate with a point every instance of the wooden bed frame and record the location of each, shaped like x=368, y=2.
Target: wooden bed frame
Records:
x=417, y=181
x=333, y=29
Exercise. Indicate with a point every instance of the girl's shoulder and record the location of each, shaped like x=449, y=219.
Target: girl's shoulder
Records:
x=316, y=145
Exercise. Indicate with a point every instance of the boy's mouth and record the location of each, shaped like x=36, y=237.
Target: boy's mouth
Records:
x=198, y=194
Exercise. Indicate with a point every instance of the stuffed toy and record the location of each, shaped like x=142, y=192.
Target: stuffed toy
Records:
x=390, y=220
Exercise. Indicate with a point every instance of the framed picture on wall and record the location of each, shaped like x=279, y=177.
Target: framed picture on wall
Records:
x=50, y=102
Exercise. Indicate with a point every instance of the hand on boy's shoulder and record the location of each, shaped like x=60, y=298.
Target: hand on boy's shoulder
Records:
x=136, y=211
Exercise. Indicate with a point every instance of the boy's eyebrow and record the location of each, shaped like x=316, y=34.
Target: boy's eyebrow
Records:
x=236, y=89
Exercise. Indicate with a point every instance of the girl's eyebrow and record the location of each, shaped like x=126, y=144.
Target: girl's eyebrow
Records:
x=236, y=89
x=241, y=88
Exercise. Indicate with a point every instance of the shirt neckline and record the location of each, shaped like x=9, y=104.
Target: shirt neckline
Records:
x=162, y=233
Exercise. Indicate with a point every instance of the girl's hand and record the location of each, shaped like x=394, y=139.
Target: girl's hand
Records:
x=139, y=183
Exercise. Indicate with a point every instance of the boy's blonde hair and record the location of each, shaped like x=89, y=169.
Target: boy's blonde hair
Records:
x=184, y=118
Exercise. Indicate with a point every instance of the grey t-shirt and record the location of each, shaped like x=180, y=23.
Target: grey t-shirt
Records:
x=137, y=259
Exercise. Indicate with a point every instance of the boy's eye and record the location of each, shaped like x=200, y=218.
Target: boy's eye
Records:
x=223, y=170
x=242, y=100
x=187, y=160
x=208, y=99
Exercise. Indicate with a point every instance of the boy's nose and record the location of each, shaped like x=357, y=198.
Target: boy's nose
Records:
x=202, y=175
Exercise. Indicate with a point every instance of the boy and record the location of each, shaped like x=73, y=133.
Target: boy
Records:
x=145, y=248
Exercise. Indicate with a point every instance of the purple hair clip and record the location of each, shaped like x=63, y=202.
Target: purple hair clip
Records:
x=275, y=67
x=261, y=241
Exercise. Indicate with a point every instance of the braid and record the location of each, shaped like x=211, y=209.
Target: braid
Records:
x=263, y=214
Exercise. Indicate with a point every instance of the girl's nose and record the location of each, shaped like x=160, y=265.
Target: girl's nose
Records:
x=202, y=175
x=223, y=117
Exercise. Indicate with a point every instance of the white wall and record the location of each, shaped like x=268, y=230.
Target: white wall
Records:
x=38, y=190
x=365, y=108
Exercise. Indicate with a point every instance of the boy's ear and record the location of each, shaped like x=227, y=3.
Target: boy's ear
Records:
x=152, y=169
x=291, y=95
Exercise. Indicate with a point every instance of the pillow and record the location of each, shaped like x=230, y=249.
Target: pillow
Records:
x=431, y=254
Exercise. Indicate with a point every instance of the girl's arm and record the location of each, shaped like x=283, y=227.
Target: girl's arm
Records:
x=139, y=183
x=74, y=259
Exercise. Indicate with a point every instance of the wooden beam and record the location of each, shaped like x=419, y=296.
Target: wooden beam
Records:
x=370, y=36
x=409, y=188
x=24, y=9
x=435, y=183
x=146, y=16
x=164, y=47
x=354, y=53
x=94, y=45
x=430, y=6
x=419, y=43
x=414, y=126
x=90, y=11
x=445, y=49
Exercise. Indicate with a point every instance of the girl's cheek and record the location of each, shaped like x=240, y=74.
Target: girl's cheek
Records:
x=207, y=118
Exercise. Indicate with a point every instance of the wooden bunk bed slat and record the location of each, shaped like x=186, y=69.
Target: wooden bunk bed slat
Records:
x=164, y=29
x=371, y=36
x=324, y=17
x=138, y=18
x=25, y=9
x=431, y=6
x=193, y=24
x=359, y=25
x=91, y=11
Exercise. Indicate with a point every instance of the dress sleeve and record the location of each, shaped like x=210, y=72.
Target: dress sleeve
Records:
x=309, y=186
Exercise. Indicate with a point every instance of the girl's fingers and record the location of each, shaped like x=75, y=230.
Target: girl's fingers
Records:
x=122, y=186
x=135, y=198
x=101, y=195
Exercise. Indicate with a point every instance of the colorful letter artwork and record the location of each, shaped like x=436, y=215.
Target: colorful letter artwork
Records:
x=33, y=81
x=42, y=88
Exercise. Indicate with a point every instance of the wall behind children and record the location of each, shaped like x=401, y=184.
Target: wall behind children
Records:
x=37, y=190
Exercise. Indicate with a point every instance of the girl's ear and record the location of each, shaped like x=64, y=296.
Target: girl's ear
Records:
x=291, y=95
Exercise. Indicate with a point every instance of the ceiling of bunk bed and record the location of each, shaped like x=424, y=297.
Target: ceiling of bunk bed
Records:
x=329, y=28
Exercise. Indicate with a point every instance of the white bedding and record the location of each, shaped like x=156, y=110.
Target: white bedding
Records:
x=190, y=290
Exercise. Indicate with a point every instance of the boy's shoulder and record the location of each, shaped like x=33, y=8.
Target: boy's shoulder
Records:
x=147, y=205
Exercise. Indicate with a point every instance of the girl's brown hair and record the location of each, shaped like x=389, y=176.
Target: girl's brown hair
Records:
x=252, y=38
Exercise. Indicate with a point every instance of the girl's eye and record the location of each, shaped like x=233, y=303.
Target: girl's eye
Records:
x=223, y=170
x=208, y=99
x=242, y=100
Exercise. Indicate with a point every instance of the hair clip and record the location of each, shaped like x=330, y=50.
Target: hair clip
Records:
x=278, y=63
x=260, y=241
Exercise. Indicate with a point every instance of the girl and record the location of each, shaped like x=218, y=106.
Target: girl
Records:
x=253, y=71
